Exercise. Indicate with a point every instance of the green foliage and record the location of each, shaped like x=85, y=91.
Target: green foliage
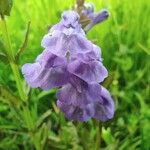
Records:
x=3, y=57
x=125, y=42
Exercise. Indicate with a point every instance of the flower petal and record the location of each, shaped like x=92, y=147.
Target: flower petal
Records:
x=79, y=43
x=100, y=16
x=79, y=95
x=56, y=44
x=104, y=109
x=48, y=40
x=74, y=112
x=48, y=72
x=96, y=18
x=77, y=101
x=92, y=71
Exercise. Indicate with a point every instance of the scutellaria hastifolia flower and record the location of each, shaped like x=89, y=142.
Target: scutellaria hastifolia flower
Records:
x=73, y=64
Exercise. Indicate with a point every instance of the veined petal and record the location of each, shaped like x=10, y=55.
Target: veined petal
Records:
x=92, y=71
x=79, y=44
x=48, y=72
x=104, y=109
x=74, y=112
x=79, y=94
x=57, y=44
x=85, y=101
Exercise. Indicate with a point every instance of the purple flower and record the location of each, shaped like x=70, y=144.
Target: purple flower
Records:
x=94, y=17
x=49, y=71
x=72, y=62
x=80, y=100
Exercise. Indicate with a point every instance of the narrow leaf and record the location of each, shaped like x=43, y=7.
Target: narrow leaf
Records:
x=3, y=58
x=2, y=47
x=43, y=117
x=24, y=45
x=9, y=97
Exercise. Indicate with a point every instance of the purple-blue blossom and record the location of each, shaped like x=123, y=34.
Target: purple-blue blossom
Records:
x=95, y=17
x=72, y=63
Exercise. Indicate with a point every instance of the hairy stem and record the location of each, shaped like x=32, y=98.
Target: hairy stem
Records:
x=6, y=38
x=9, y=52
x=15, y=69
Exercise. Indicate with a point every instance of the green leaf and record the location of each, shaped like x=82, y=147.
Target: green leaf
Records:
x=44, y=135
x=68, y=137
x=3, y=58
x=8, y=127
x=43, y=117
x=24, y=45
x=4, y=108
x=27, y=118
x=9, y=97
x=142, y=47
x=125, y=63
x=5, y=7
x=2, y=47
x=45, y=93
x=107, y=136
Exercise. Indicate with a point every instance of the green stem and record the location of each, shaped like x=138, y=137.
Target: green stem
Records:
x=28, y=118
x=15, y=70
x=10, y=56
x=6, y=37
x=18, y=80
x=36, y=143
x=98, y=137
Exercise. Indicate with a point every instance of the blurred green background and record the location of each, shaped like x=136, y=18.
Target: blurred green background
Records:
x=125, y=42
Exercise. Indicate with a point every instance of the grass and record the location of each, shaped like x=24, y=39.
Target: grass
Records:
x=125, y=42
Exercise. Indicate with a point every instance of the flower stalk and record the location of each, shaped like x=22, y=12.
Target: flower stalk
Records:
x=26, y=113
x=98, y=136
x=10, y=56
